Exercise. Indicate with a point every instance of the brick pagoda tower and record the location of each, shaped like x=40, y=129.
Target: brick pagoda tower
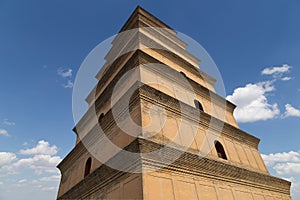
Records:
x=183, y=127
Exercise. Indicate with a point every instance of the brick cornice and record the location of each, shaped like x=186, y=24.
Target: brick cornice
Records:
x=192, y=164
x=149, y=94
x=171, y=104
x=187, y=164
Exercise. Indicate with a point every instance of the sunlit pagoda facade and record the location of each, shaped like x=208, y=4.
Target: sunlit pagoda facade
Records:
x=211, y=157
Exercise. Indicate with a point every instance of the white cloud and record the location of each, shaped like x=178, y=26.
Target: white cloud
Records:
x=286, y=78
x=69, y=84
x=39, y=163
x=290, y=179
x=6, y=158
x=295, y=187
x=291, y=156
x=42, y=159
x=22, y=181
x=284, y=163
x=290, y=111
x=3, y=132
x=6, y=161
x=287, y=168
x=22, y=175
x=64, y=72
x=41, y=187
x=42, y=147
x=252, y=103
x=34, y=181
x=48, y=188
x=8, y=123
x=276, y=70
x=50, y=178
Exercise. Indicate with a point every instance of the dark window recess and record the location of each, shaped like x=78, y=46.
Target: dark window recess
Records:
x=183, y=74
x=198, y=105
x=101, y=117
x=88, y=166
x=220, y=150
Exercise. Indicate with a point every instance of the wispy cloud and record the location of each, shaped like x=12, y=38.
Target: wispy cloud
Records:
x=48, y=188
x=50, y=178
x=69, y=84
x=42, y=147
x=64, y=72
x=286, y=78
x=22, y=181
x=4, y=132
x=276, y=70
x=8, y=122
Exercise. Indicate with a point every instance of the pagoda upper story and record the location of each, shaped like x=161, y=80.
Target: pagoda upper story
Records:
x=150, y=36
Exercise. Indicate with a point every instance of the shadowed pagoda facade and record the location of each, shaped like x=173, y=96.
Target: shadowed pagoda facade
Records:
x=231, y=166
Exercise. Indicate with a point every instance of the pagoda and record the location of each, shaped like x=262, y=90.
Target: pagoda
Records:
x=157, y=129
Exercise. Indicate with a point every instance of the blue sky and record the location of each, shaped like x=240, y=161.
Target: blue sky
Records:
x=255, y=45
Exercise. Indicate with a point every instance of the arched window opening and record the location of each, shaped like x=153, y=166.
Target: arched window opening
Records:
x=220, y=150
x=88, y=166
x=101, y=117
x=183, y=74
x=198, y=105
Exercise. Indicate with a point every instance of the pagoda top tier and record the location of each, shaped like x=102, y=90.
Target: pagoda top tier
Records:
x=141, y=18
